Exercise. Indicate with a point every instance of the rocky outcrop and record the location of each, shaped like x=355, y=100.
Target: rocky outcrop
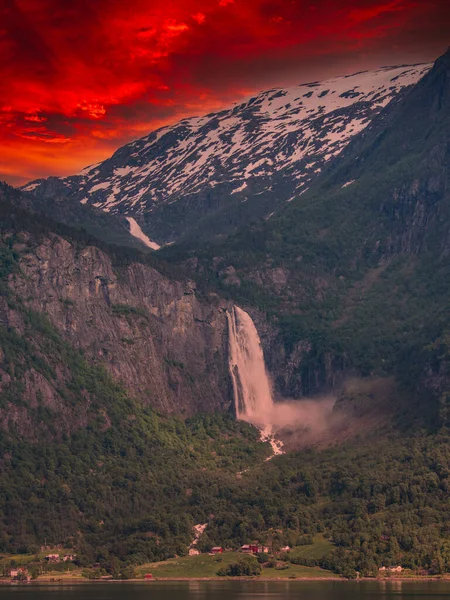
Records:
x=167, y=345
x=293, y=372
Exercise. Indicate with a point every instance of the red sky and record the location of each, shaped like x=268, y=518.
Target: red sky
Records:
x=79, y=78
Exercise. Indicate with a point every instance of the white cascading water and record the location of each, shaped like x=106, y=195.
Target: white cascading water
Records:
x=253, y=399
x=251, y=385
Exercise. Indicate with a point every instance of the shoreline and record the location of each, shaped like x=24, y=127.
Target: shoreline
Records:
x=84, y=581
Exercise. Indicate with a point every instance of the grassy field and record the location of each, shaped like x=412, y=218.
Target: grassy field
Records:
x=19, y=559
x=202, y=565
x=318, y=549
x=199, y=566
x=25, y=559
x=73, y=575
x=60, y=571
x=298, y=571
x=205, y=565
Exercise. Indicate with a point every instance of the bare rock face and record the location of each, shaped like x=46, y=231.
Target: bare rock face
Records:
x=292, y=374
x=166, y=345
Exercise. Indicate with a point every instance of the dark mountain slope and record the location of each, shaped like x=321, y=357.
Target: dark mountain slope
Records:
x=96, y=223
x=349, y=285
x=148, y=329
x=84, y=461
x=79, y=324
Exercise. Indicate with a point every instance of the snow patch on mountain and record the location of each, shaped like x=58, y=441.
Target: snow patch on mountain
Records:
x=136, y=231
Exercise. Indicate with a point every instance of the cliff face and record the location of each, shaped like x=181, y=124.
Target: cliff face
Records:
x=158, y=337
x=294, y=375
x=168, y=347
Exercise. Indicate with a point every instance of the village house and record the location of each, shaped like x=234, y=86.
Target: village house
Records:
x=20, y=573
x=69, y=557
x=52, y=558
x=249, y=549
x=217, y=550
x=263, y=549
x=194, y=552
x=393, y=569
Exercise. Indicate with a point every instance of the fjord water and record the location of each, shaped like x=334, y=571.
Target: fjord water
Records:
x=232, y=590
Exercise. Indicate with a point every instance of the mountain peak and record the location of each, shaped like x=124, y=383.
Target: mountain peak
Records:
x=237, y=164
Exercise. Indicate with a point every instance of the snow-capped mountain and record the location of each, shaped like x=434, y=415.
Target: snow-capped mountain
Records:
x=260, y=153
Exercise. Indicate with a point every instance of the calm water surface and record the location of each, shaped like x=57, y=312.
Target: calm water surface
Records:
x=232, y=590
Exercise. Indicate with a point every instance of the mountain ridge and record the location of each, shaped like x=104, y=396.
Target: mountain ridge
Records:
x=249, y=159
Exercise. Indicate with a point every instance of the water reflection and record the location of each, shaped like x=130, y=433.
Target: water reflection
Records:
x=232, y=590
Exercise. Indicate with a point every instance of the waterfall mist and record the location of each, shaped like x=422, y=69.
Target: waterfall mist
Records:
x=253, y=389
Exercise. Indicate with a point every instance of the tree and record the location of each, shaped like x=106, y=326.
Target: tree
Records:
x=247, y=566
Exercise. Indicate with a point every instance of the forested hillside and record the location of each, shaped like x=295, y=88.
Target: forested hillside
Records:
x=93, y=222
x=84, y=464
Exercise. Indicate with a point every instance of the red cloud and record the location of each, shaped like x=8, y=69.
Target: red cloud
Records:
x=94, y=110
x=370, y=12
x=93, y=75
x=35, y=118
x=199, y=17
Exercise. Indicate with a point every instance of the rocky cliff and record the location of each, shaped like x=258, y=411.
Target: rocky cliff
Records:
x=155, y=335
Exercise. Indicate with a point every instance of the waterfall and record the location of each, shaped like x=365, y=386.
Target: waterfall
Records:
x=252, y=389
x=251, y=385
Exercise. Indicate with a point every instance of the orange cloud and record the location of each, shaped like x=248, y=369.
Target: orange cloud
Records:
x=94, y=110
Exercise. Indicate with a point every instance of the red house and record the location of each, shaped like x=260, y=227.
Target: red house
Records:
x=217, y=550
x=249, y=549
